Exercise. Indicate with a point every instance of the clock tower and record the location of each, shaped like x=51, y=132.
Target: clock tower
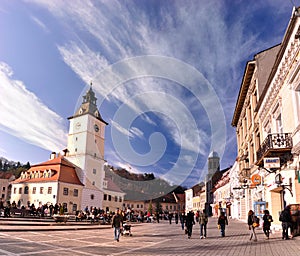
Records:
x=86, y=149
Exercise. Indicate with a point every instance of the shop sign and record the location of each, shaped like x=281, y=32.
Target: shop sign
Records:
x=272, y=162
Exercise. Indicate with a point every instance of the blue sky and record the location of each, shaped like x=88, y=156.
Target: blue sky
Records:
x=166, y=75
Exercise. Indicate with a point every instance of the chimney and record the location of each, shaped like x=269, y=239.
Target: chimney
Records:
x=53, y=155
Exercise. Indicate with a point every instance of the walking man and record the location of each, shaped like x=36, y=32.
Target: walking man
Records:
x=189, y=222
x=222, y=223
x=286, y=219
x=203, y=219
x=117, y=222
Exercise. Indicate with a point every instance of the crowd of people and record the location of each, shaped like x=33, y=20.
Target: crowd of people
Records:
x=8, y=209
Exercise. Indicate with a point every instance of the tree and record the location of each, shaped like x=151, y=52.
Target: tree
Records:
x=27, y=166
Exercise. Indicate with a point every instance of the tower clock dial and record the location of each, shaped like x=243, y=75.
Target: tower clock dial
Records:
x=96, y=128
x=78, y=125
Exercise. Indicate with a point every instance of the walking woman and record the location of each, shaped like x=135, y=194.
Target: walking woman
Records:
x=251, y=226
x=267, y=218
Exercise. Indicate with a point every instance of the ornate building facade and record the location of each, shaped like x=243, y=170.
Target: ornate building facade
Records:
x=267, y=124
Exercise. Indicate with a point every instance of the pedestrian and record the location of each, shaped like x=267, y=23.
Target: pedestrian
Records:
x=203, y=219
x=252, y=225
x=117, y=222
x=286, y=222
x=222, y=222
x=182, y=220
x=189, y=222
x=176, y=217
x=170, y=216
x=267, y=218
x=157, y=217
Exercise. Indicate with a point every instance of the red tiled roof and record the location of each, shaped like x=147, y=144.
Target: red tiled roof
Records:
x=5, y=175
x=62, y=170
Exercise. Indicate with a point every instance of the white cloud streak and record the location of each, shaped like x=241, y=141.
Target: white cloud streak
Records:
x=197, y=32
x=23, y=115
x=40, y=24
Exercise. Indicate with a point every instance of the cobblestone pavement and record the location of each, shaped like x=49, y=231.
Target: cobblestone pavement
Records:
x=148, y=239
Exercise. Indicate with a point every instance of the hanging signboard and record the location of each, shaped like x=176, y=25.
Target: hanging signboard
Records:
x=272, y=162
x=256, y=179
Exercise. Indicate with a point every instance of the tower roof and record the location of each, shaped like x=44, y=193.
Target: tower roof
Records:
x=89, y=106
x=213, y=154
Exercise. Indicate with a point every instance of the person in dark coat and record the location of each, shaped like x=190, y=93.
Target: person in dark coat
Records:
x=189, y=222
x=182, y=220
x=286, y=222
x=250, y=221
x=267, y=218
x=222, y=222
x=117, y=222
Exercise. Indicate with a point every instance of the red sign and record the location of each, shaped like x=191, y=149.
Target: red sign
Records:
x=256, y=179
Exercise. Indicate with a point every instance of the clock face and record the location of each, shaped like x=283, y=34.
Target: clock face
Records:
x=96, y=128
x=78, y=125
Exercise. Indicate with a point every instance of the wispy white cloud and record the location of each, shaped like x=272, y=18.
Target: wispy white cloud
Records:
x=203, y=34
x=23, y=114
x=137, y=132
x=40, y=24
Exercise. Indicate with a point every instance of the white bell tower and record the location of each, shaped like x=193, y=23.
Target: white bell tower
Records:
x=86, y=149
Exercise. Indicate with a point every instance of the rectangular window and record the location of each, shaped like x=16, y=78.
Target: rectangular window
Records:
x=34, y=190
x=279, y=124
x=116, y=199
x=105, y=197
x=137, y=206
x=94, y=171
x=3, y=189
x=65, y=207
x=66, y=191
x=15, y=190
x=75, y=192
x=142, y=206
x=20, y=190
x=120, y=199
x=74, y=209
x=49, y=190
x=41, y=190
x=109, y=197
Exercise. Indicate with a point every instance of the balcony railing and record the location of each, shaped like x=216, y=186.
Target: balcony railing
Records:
x=275, y=145
x=245, y=173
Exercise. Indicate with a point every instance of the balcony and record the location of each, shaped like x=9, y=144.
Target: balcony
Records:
x=275, y=145
x=245, y=173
